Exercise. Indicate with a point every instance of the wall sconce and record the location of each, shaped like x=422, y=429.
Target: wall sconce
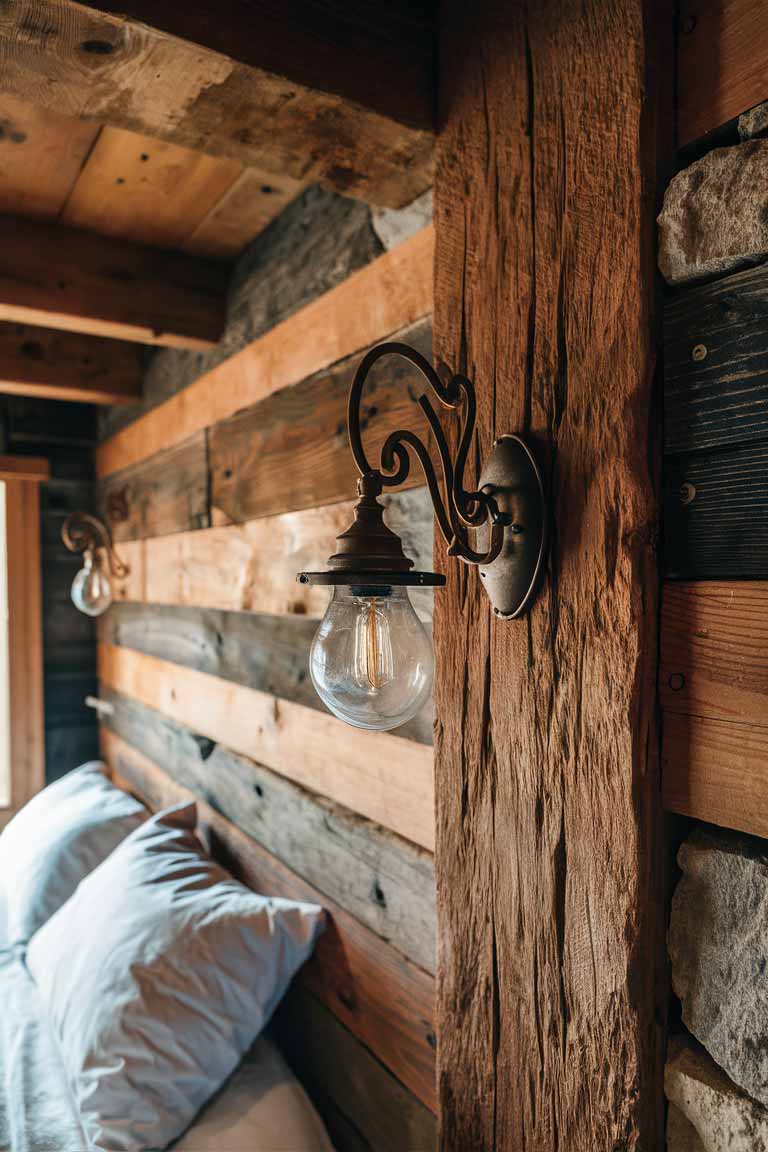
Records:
x=92, y=587
x=371, y=660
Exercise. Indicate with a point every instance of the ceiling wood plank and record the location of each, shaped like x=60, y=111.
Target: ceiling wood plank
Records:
x=87, y=63
x=256, y=197
x=67, y=366
x=65, y=279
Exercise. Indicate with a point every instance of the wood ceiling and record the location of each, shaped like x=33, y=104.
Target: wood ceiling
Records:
x=138, y=159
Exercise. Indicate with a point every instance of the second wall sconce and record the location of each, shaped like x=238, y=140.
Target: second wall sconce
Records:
x=371, y=661
x=92, y=586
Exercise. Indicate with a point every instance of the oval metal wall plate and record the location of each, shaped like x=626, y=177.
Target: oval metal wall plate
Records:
x=512, y=476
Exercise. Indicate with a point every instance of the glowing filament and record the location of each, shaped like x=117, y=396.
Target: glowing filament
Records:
x=373, y=645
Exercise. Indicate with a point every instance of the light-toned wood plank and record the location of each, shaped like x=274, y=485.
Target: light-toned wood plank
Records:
x=382, y=880
x=716, y=770
x=147, y=191
x=34, y=468
x=25, y=635
x=41, y=155
x=383, y=777
x=391, y=293
x=722, y=63
x=378, y=995
x=714, y=650
x=84, y=62
x=67, y=366
x=62, y=278
x=254, y=199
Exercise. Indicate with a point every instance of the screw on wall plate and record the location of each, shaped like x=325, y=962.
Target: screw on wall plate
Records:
x=699, y=352
x=687, y=493
x=676, y=681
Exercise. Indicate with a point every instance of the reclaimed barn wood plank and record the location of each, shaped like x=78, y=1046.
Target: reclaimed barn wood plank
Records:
x=91, y=64
x=389, y=294
x=169, y=493
x=43, y=363
x=716, y=770
x=60, y=278
x=364, y=1108
x=385, y=882
x=721, y=63
x=270, y=653
x=550, y=889
x=716, y=363
x=714, y=650
x=378, y=775
x=716, y=513
x=384, y=1000
x=255, y=199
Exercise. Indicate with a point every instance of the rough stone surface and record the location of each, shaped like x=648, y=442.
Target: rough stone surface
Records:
x=715, y=214
x=707, y=1112
x=394, y=225
x=754, y=124
x=718, y=944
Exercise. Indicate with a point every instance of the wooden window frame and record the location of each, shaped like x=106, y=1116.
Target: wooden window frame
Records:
x=22, y=477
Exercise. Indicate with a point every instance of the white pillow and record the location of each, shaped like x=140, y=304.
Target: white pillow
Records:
x=263, y=1108
x=54, y=841
x=157, y=976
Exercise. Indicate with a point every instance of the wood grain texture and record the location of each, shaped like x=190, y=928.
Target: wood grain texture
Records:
x=86, y=63
x=63, y=278
x=716, y=363
x=716, y=513
x=364, y=1108
x=380, y=776
x=166, y=494
x=385, y=882
x=551, y=990
x=41, y=156
x=714, y=650
x=389, y=294
x=66, y=366
x=253, y=200
x=721, y=63
x=715, y=770
x=270, y=653
x=384, y=1000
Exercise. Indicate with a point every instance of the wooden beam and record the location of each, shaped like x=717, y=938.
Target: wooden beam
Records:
x=85, y=62
x=721, y=63
x=380, y=776
x=35, y=468
x=61, y=278
x=384, y=1000
x=713, y=685
x=551, y=923
x=390, y=293
x=67, y=366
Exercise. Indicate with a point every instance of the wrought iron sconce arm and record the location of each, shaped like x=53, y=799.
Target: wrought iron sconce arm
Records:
x=456, y=508
x=84, y=533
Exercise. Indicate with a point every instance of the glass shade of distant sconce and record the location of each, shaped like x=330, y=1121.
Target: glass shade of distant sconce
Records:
x=371, y=661
x=92, y=586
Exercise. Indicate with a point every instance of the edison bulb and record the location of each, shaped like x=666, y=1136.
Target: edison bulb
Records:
x=371, y=660
x=91, y=588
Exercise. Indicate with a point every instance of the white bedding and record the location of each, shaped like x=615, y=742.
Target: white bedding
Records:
x=262, y=1109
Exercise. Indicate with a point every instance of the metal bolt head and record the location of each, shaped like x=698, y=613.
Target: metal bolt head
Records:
x=687, y=493
x=699, y=352
x=676, y=682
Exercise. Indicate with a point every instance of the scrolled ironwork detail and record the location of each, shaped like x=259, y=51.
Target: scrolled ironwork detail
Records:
x=84, y=533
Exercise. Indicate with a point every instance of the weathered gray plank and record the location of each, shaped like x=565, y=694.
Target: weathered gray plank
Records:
x=383, y=881
x=363, y=1105
x=716, y=363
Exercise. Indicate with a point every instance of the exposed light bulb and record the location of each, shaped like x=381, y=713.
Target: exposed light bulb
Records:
x=371, y=660
x=91, y=587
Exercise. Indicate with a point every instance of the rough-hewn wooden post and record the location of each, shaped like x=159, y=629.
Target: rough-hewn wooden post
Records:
x=551, y=991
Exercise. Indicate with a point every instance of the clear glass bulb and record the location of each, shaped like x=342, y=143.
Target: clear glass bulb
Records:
x=371, y=660
x=91, y=588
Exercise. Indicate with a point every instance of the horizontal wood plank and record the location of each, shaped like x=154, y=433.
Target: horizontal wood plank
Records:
x=389, y=294
x=169, y=493
x=716, y=514
x=87, y=63
x=721, y=63
x=384, y=1000
x=255, y=198
x=380, y=776
x=24, y=468
x=67, y=366
x=365, y=1109
x=270, y=653
x=716, y=363
x=61, y=278
x=385, y=882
